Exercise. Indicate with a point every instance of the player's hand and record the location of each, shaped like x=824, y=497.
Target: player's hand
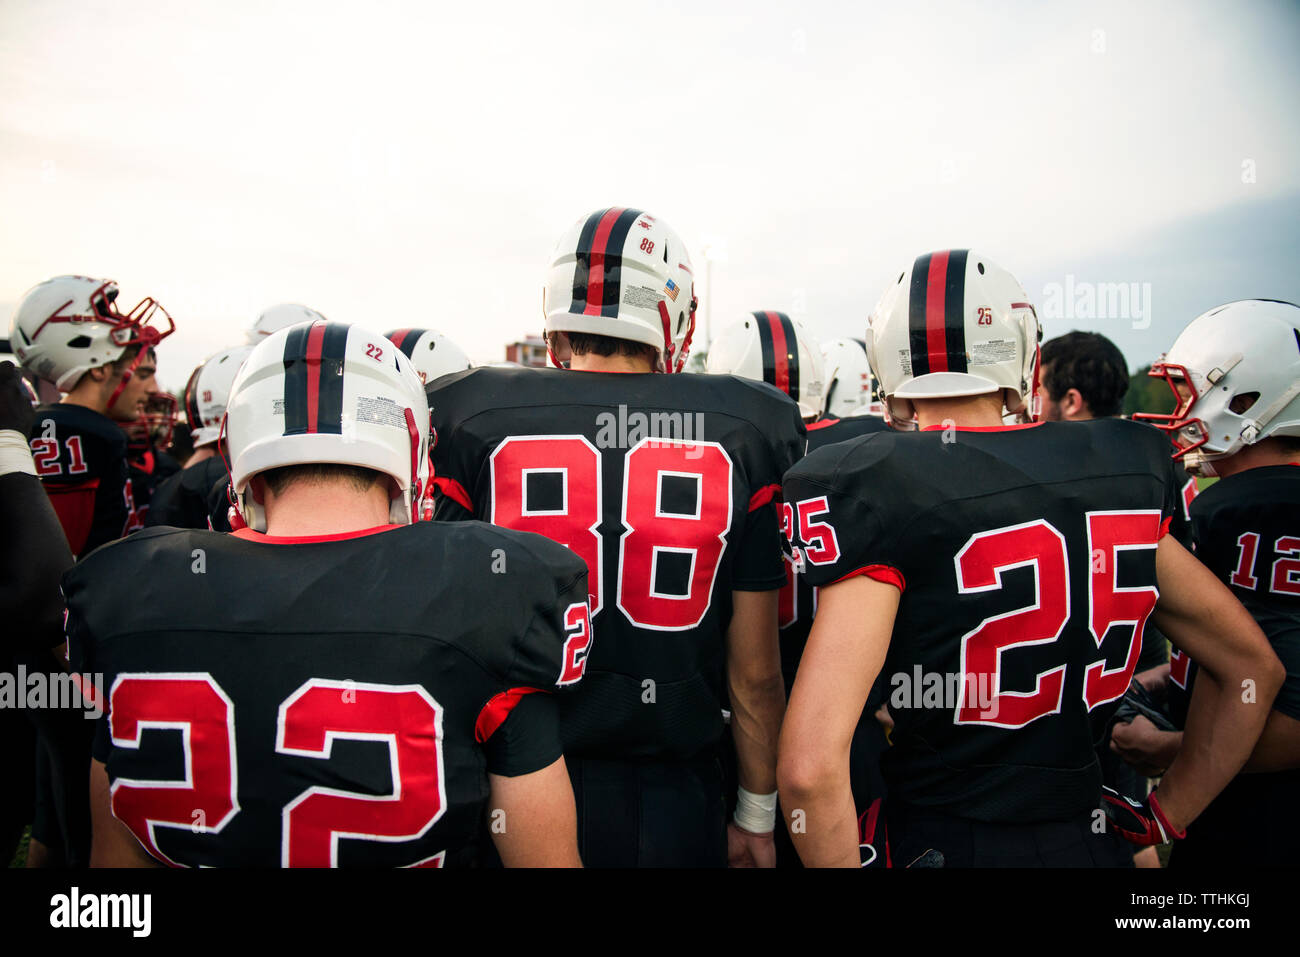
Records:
x=1144, y=746
x=1138, y=822
x=749, y=850
x=1155, y=680
x=16, y=411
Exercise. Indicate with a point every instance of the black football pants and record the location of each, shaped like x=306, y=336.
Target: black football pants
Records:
x=649, y=814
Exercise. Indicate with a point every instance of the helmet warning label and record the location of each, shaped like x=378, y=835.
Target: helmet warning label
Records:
x=377, y=410
x=992, y=352
x=641, y=297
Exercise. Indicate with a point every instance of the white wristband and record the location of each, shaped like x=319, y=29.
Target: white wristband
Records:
x=755, y=813
x=15, y=453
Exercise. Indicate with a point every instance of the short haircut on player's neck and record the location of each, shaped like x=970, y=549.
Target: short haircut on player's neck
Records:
x=356, y=478
x=587, y=343
x=1089, y=362
x=963, y=410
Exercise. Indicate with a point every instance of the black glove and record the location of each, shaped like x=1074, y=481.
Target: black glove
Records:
x=16, y=400
x=1138, y=822
x=1138, y=701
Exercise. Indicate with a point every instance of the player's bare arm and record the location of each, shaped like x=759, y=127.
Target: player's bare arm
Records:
x=757, y=705
x=1201, y=616
x=112, y=844
x=846, y=650
x=540, y=822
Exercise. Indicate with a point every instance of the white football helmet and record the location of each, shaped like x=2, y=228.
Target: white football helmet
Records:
x=279, y=317
x=771, y=347
x=68, y=325
x=624, y=274
x=1235, y=375
x=330, y=393
x=432, y=353
x=206, y=393
x=954, y=324
x=848, y=377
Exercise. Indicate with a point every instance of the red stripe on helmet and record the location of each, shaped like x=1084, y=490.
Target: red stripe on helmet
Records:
x=780, y=352
x=936, y=344
x=315, y=340
x=596, y=270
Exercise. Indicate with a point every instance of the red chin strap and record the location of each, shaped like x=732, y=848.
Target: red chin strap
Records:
x=673, y=361
x=421, y=497
x=147, y=338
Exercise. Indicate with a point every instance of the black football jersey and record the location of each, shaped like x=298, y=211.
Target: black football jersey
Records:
x=1246, y=529
x=181, y=499
x=798, y=598
x=665, y=486
x=148, y=469
x=324, y=701
x=80, y=457
x=1024, y=555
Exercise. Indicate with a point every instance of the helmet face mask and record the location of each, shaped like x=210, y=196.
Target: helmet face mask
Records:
x=329, y=393
x=1235, y=376
x=156, y=426
x=66, y=326
x=622, y=273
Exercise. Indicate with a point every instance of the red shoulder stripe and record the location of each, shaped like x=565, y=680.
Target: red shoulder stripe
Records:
x=886, y=574
x=496, y=711
x=454, y=491
x=763, y=496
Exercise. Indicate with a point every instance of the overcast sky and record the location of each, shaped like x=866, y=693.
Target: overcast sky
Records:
x=396, y=165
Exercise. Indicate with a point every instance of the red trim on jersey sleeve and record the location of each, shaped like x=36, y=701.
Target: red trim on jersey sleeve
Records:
x=248, y=535
x=822, y=423
x=985, y=428
x=763, y=496
x=886, y=574
x=75, y=506
x=89, y=693
x=496, y=711
x=454, y=491
x=1164, y=527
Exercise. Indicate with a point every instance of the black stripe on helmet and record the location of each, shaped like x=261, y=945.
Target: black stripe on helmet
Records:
x=954, y=306
x=916, y=316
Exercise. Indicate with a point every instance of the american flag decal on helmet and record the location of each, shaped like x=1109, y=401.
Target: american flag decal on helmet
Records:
x=671, y=289
x=780, y=351
x=313, y=378
x=935, y=321
x=596, y=274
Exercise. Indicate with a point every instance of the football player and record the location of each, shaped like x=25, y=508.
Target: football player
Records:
x=1235, y=373
x=432, y=353
x=1083, y=376
x=68, y=330
x=376, y=692
x=33, y=556
x=148, y=439
x=770, y=347
x=186, y=499
x=664, y=484
x=1004, y=573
